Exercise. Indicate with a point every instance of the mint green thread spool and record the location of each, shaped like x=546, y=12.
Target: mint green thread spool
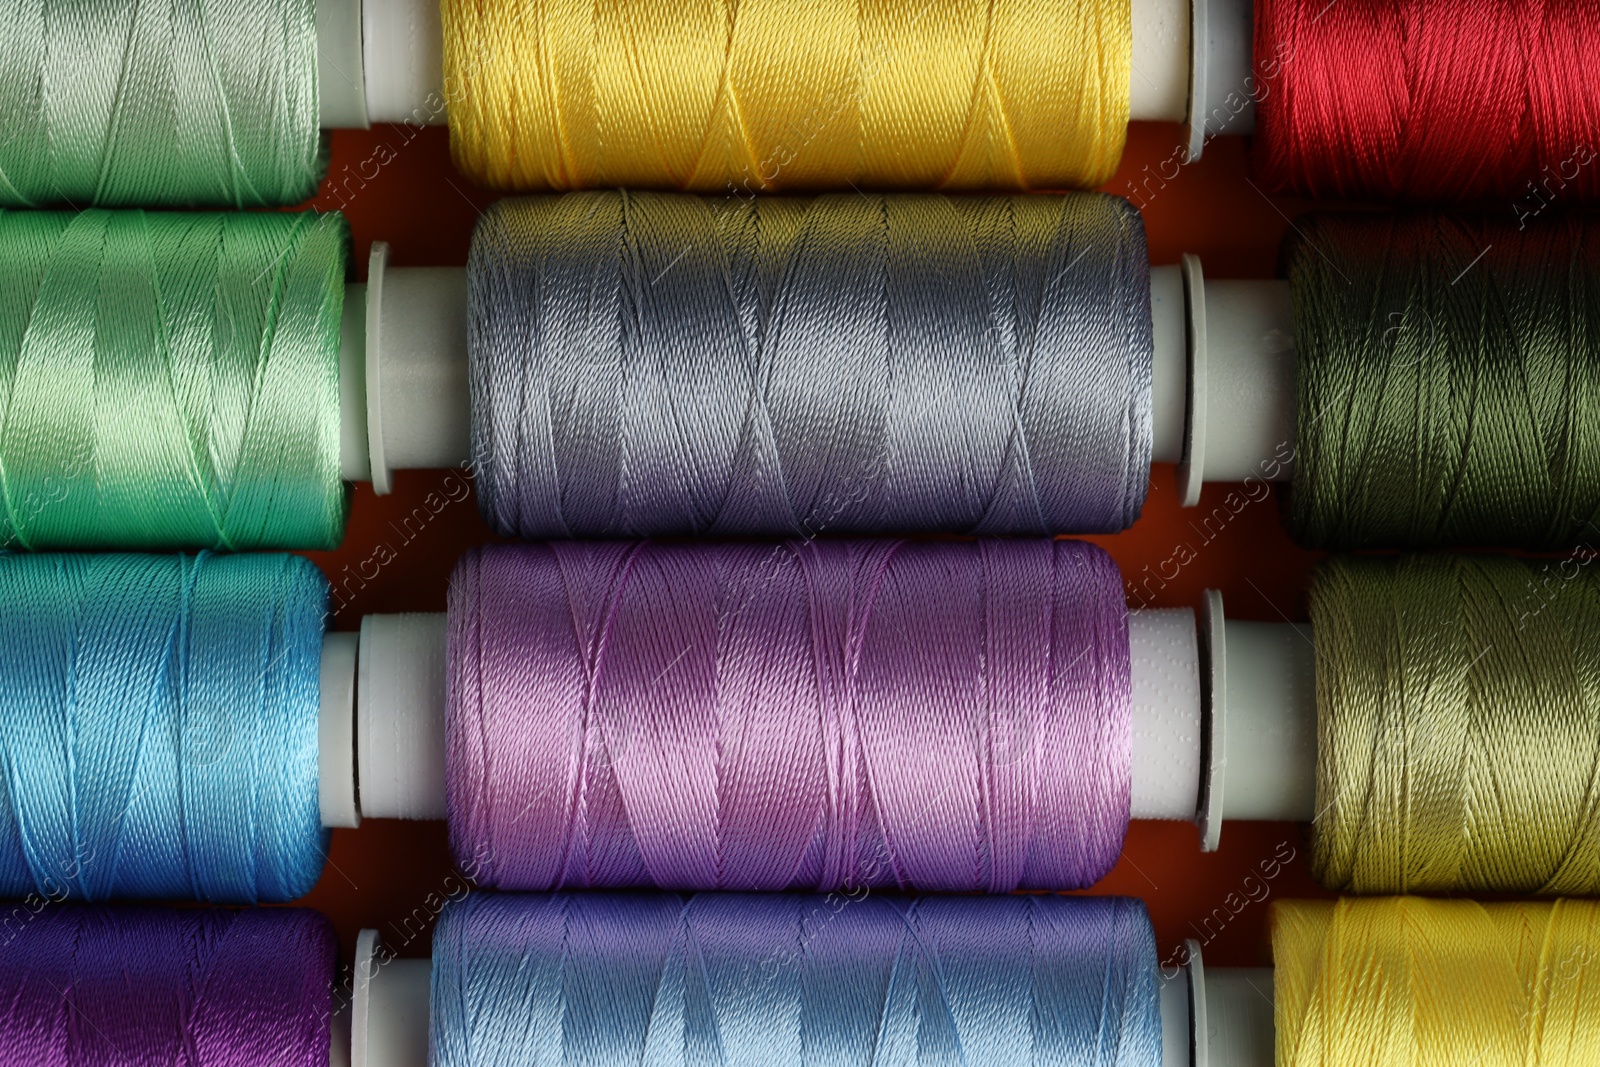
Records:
x=149, y=103
x=170, y=381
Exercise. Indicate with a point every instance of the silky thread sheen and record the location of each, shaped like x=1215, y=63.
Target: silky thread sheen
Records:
x=170, y=381
x=1413, y=982
x=158, y=726
x=88, y=986
x=1429, y=100
x=1458, y=738
x=814, y=715
x=646, y=364
x=750, y=96
x=1448, y=377
x=609, y=979
x=154, y=103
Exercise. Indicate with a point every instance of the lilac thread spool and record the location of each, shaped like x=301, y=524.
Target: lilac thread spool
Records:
x=811, y=715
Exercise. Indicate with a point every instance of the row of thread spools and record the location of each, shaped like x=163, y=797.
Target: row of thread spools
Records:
x=839, y=716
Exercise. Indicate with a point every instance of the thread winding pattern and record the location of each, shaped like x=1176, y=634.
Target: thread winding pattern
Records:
x=1410, y=982
x=761, y=95
x=796, y=981
x=1458, y=704
x=1430, y=100
x=1448, y=381
x=651, y=364
x=817, y=715
x=90, y=986
x=130, y=103
x=170, y=380
x=158, y=727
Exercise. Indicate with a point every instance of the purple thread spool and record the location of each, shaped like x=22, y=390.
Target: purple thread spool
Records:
x=938, y=716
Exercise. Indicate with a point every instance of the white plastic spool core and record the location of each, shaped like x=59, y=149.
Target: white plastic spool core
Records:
x=1164, y=656
x=336, y=733
x=414, y=344
x=400, y=716
x=389, y=1011
x=1241, y=384
x=341, y=69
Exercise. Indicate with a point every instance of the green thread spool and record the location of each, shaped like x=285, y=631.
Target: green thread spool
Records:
x=159, y=102
x=1448, y=381
x=1458, y=731
x=170, y=381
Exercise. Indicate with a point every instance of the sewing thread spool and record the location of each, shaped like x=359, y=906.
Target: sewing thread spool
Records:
x=1459, y=727
x=821, y=715
x=170, y=380
x=1401, y=99
x=1405, y=981
x=728, y=97
x=127, y=103
x=87, y=986
x=158, y=725
x=650, y=364
x=1448, y=381
x=794, y=980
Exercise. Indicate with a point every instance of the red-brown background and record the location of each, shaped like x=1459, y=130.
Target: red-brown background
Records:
x=393, y=875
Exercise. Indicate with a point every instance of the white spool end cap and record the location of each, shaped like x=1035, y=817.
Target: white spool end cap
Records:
x=1239, y=1030
x=1241, y=397
x=404, y=58
x=1261, y=703
x=400, y=708
x=1224, y=89
x=1165, y=659
x=1169, y=365
x=336, y=732
x=418, y=409
x=389, y=1017
x=341, y=67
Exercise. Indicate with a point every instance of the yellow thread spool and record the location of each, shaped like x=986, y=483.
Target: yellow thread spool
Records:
x=1410, y=982
x=749, y=96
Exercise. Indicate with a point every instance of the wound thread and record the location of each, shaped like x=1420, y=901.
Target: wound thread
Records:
x=648, y=364
x=158, y=727
x=758, y=95
x=1458, y=725
x=170, y=381
x=208, y=987
x=1405, y=981
x=1423, y=101
x=1448, y=380
x=813, y=715
x=154, y=103
x=794, y=981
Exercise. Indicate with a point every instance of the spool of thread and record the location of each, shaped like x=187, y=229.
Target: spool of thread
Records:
x=614, y=979
x=1448, y=381
x=158, y=726
x=1406, y=981
x=818, y=715
x=1408, y=99
x=90, y=986
x=128, y=103
x=1459, y=724
x=649, y=364
x=170, y=381
x=728, y=97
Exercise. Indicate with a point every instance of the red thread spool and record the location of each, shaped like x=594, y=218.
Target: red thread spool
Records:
x=1430, y=100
